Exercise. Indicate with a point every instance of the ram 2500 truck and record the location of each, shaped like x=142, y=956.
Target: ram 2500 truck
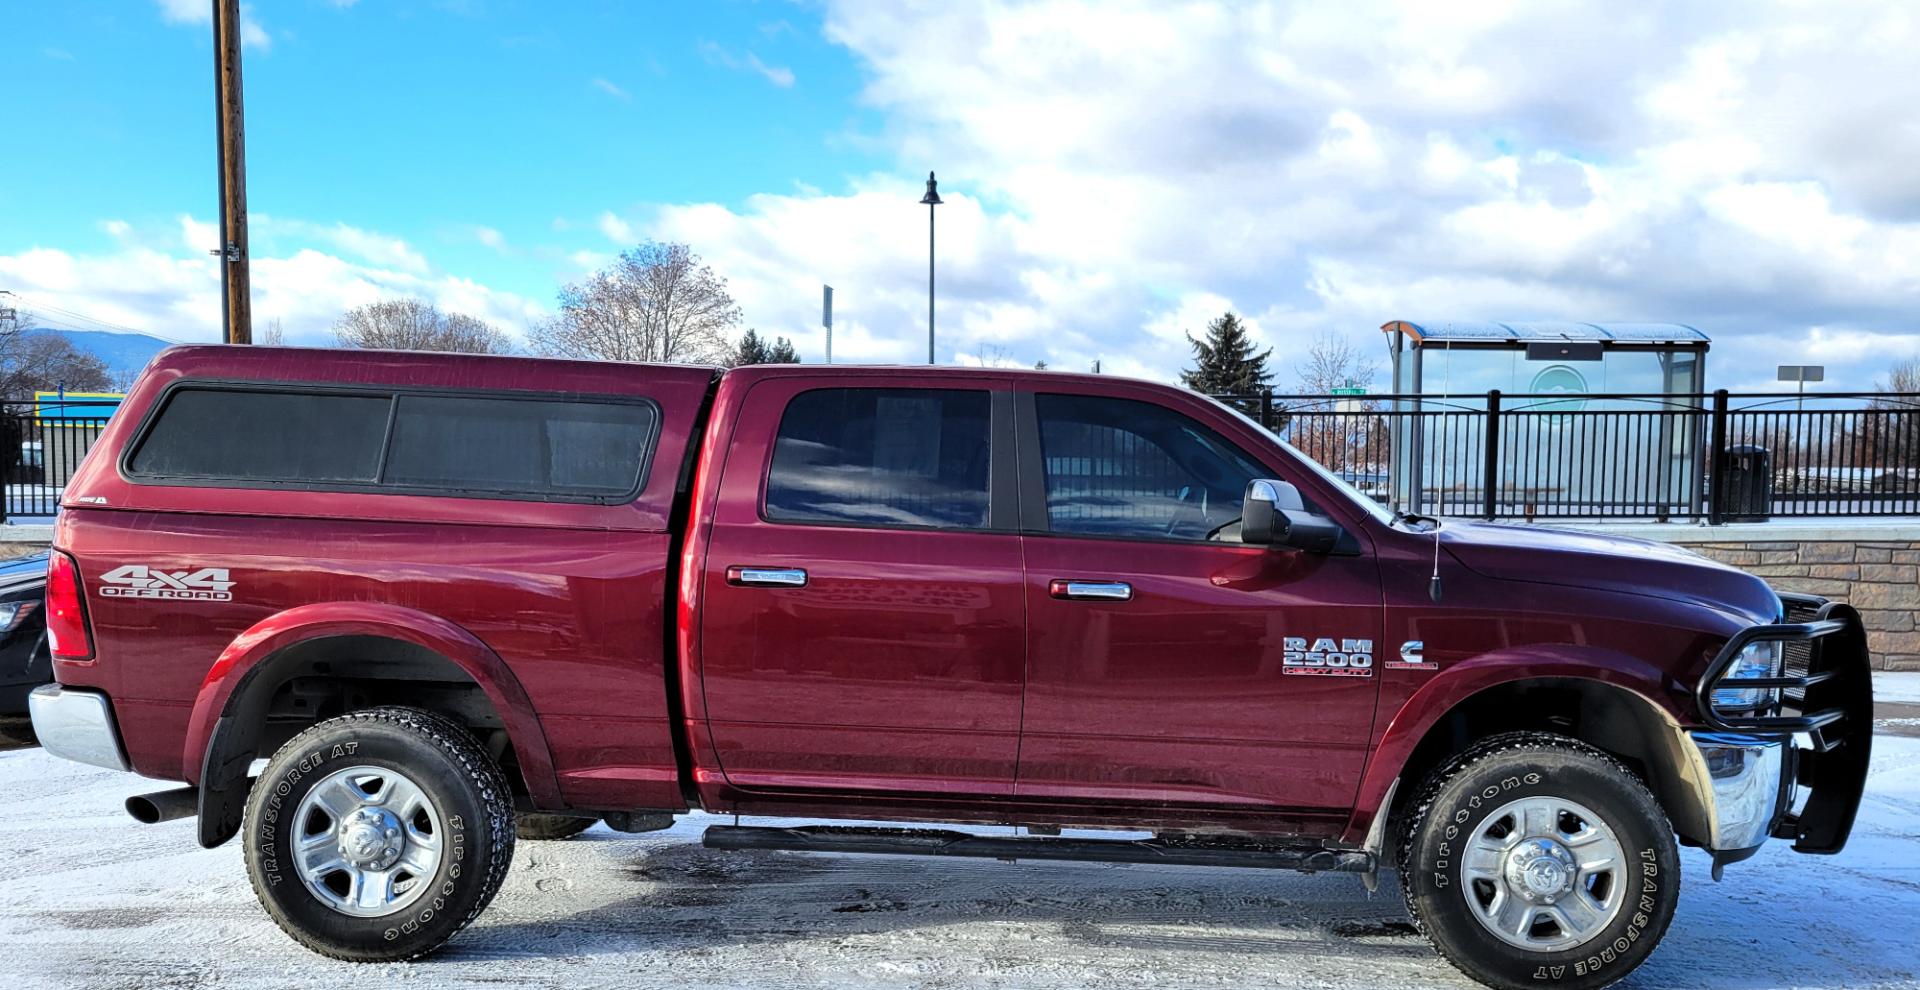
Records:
x=436, y=592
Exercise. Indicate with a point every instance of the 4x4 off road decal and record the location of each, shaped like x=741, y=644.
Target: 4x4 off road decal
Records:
x=1327, y=657
x=204, y=584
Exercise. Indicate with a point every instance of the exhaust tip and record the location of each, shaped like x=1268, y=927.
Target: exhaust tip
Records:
x=143, y=810
x=164, y=806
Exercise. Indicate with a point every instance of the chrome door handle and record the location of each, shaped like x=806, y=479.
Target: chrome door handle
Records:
x=767, y=577
x=1094, y=591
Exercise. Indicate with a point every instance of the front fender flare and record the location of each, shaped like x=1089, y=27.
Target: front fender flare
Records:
x=235, y=673
x=1684, y=776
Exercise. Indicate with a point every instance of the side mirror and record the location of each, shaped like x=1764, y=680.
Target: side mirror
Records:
x=1273, y=514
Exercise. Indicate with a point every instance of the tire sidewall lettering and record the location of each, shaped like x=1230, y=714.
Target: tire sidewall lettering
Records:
x=447, y=901
x=1611, y=953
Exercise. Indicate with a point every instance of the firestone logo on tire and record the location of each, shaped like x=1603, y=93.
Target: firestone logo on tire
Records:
x=204, y=584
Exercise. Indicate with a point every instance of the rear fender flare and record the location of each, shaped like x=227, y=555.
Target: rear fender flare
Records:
x=234, y=673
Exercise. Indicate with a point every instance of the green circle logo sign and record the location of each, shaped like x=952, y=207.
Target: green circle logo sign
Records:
x=1559, y=379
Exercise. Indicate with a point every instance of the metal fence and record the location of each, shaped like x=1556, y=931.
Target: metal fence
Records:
x=43, y=444
x=1716, y=456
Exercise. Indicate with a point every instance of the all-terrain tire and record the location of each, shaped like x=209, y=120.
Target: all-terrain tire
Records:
x=1459, y=802
x=538, y=827
x=469, y=796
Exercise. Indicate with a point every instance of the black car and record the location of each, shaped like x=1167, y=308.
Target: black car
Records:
x=24, y=661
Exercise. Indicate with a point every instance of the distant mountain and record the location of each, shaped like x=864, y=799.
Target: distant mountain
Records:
x=124, y=353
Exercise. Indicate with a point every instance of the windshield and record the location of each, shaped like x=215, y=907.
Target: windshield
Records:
x=1354, y=495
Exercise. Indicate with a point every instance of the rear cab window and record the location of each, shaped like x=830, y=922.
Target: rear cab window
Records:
x=909, y=457
x=399, y=442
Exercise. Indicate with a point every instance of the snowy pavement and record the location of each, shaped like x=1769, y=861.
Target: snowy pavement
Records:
x=96, y=901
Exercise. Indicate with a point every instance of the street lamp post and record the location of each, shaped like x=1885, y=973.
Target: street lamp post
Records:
x=932, y=199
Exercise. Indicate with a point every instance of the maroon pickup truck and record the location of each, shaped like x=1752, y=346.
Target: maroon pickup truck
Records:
x=376, y=609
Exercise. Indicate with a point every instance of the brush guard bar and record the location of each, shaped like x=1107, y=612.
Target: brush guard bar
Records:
x=1824, y=714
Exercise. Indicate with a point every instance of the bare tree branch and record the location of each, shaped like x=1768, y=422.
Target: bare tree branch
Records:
x=415, y=325
x=656, y=303
x=45, y=362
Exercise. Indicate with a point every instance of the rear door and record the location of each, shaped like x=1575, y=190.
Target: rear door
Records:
x=1159, y=644
x=862, y=619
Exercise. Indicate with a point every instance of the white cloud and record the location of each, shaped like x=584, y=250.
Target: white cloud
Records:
x=616, y=230
x=252, y=34
x=1331, y=167
x=606, y=86
x=374, y=247
x=491, y=237
x=779, y=75
x=170, y=286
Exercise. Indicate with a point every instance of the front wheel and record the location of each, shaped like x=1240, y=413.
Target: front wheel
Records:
x=378, y=835
x=1535, y=860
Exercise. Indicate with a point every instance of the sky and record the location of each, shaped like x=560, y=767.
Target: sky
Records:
x=1115, y=173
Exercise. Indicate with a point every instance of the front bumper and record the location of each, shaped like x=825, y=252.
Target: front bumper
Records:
x=1747, y=776
x=76, y=724
x=1819, y=738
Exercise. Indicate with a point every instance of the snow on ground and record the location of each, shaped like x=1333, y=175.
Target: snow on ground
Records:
x=1897, y=687
x=96, y=901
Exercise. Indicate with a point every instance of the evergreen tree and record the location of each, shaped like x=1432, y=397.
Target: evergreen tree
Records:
x=753, y=350
x=750, y=351
x=782, y=352
x=1225, y=362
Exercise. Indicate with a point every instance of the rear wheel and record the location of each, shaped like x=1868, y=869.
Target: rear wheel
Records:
x=1536, y=860
x=378, y=835
x=536, y=826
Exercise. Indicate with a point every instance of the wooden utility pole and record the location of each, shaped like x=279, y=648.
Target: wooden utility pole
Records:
x=229, y=121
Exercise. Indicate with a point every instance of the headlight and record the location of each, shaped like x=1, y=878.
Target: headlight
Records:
x=14, y=613
x=1759, y=660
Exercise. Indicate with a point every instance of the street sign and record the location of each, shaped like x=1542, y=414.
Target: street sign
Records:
x=1802, y=373
x=1348, y=390
x=826, y=317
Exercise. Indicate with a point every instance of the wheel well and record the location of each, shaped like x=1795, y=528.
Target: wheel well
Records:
x=1610, y=718
x=318, y=679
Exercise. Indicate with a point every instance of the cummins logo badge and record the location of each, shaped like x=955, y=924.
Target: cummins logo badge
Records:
x=1412, y=657
x=205, y=584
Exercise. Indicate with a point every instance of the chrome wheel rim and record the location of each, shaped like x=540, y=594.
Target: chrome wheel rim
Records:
x=367, y=841
x=1544, y=874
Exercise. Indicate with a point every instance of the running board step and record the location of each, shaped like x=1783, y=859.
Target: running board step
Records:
x=944, y=842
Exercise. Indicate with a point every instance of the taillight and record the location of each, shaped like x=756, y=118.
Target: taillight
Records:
x=66, y=613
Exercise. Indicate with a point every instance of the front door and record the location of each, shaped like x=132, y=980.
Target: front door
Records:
x=862, y=624
x=1159, y=647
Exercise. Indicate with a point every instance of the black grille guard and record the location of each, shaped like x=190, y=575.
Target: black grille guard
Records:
x=1827, y=684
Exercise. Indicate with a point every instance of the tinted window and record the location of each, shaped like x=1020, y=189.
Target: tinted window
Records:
x=1133, y=469
x=473, y=446
x=265, y=436
x=901, y=457
x=522, y=446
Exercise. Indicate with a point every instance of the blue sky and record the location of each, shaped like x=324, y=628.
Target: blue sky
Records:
x=1117, y=172
x=429, y=118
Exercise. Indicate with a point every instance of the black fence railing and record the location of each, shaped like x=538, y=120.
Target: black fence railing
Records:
x=1718, y=456
x=41, y=445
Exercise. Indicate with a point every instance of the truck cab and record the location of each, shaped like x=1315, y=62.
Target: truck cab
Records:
x=437, y=592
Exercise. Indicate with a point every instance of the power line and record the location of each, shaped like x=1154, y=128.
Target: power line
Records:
x=71, y=320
